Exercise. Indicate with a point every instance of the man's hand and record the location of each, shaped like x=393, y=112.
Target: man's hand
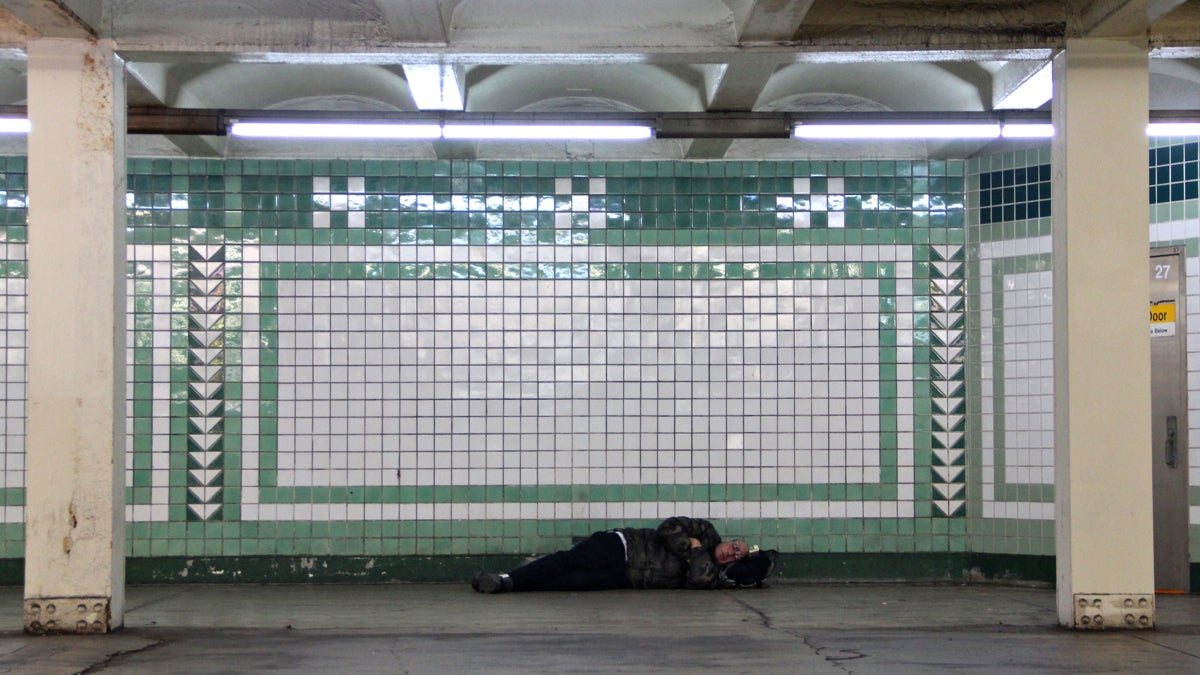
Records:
x=694, y=542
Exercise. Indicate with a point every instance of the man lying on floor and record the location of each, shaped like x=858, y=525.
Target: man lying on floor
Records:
x=680, y=553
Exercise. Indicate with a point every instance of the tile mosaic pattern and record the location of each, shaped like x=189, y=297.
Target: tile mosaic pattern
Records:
x=206, y=380
x=947, y=313
x=493, y=357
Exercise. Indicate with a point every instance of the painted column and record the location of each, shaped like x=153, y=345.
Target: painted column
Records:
x=75, y=442
x=1103, y=497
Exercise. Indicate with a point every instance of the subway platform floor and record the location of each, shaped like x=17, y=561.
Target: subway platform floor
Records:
x=446, y=628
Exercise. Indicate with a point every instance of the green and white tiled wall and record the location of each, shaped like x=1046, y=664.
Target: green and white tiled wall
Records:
x=1175, y=221
x=13, y=275
x=474, y=358
x=1010, y=333
x=456, y=359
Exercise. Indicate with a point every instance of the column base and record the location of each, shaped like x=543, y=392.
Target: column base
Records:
x=1114, y=611
x=77, y=616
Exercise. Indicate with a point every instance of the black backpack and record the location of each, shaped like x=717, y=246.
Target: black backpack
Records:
x=749, y=571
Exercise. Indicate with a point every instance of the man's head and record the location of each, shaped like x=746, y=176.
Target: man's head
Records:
x=730, y=551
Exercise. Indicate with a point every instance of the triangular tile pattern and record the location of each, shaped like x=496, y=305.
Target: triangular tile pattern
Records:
x=206, y=381
x=948, y=388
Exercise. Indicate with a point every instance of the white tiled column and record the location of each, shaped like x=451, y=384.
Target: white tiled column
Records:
x=75, y=478
x=1103, y=497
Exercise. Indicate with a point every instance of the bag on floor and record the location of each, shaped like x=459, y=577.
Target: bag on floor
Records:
x=749, y=571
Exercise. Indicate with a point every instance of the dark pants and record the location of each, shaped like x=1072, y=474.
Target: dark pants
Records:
x=594, y=564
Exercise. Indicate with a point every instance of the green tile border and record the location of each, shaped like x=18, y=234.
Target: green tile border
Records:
x=494, y=203
x=141, y=402
x=404, y=538
x=792, y=567
x=271, y=493
x=1002, y=267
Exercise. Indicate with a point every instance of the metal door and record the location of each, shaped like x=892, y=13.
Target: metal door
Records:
x=1168, y=372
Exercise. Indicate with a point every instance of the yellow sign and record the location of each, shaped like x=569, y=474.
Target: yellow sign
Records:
x=1162, y=318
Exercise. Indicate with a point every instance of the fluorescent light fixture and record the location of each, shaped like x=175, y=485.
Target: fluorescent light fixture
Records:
x=1027, y=131
x=1032, y=93
x=334, y=130
x=496, y=131
x=14, y=125
x=548, y=132
x=898, y=131
x=1173, y=129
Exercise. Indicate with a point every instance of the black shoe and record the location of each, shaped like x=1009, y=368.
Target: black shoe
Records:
x=488, y=582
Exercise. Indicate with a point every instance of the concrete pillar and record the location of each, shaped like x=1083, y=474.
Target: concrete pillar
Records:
x=1103, y=496
x=75, y=447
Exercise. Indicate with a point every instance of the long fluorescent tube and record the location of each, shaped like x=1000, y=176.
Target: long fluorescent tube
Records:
x=14, y=125
x=334, y=130
x=548, y=132
x=1173, y=129
x=897, y=131
x=1027, y=131
x=450, y=131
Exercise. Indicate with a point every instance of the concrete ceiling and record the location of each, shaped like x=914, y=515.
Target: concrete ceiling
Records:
x=692, y=56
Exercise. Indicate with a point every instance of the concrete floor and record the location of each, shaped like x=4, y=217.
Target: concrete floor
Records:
x=443, y=628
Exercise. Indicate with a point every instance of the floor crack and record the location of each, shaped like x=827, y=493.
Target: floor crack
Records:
x=112, y=658
x=837, y=659
x=762, y=616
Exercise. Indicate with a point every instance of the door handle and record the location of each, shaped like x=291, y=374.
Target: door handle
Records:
x=1172, y=449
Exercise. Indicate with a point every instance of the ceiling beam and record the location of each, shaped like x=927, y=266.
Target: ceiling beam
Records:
x=773, y=21
x=48, y=19
x=940, y=26
x=420, y=20
x=716, y=54
x=738, y=84
x=1124, y=18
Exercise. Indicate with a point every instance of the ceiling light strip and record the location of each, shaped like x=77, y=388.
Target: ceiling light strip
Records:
x=548, y=132
x=601, y=126
x=897, y=131
x=14, y=125
x=290, y=129
x=1160, y=129
x=334, y=130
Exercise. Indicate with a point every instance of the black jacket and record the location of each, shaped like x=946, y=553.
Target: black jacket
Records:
x=664, y=558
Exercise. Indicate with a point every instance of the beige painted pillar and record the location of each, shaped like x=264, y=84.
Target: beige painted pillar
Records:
x=75, y=447
x=1103, y=497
